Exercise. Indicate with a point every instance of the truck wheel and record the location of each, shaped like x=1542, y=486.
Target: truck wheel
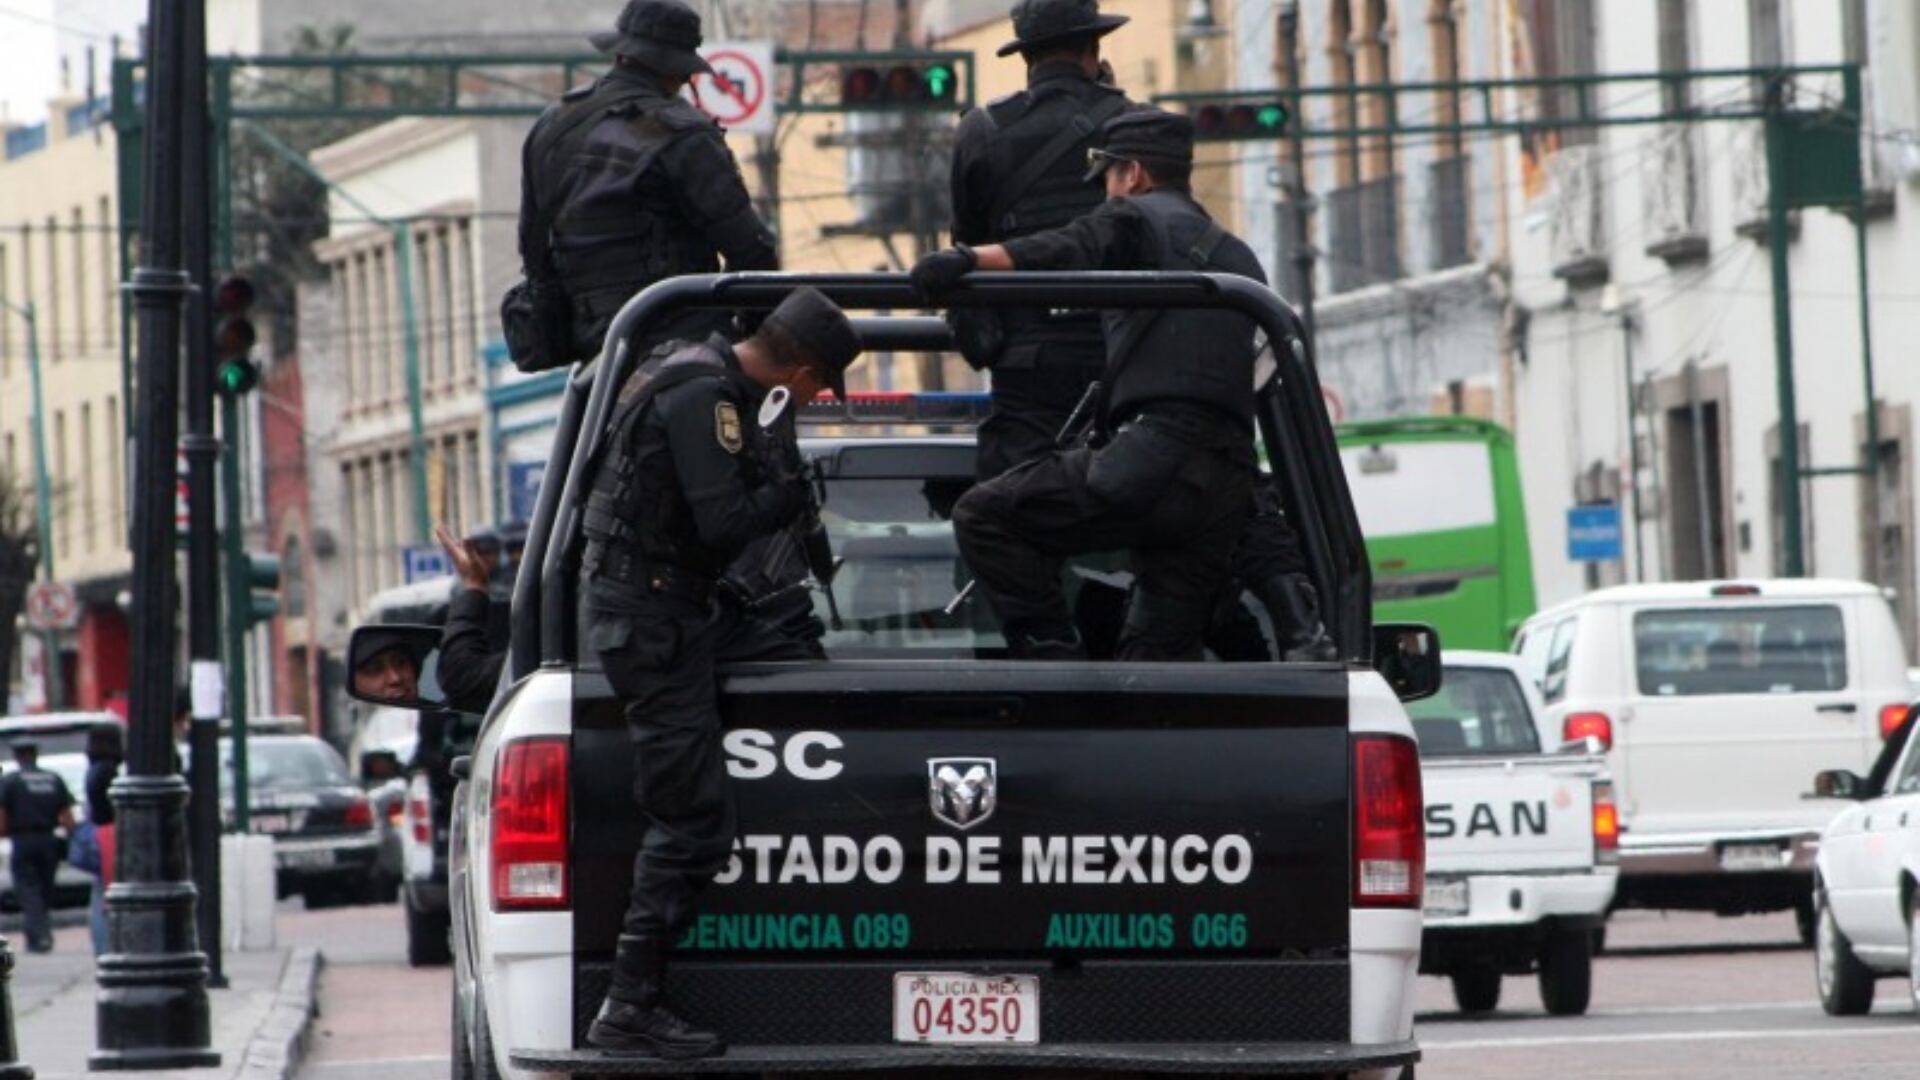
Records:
x=427, y=944
x=1476, y=990
x=462, y=1050
x=1846, y=984
x=478, y=1063
x=1805, y=919
x=1566, y=972
x=1913, y=948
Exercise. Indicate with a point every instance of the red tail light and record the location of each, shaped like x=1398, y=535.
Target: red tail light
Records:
x=420, y=823
x=359, y=814
x=1389, y=842
x=1891, y=717
x=1582, y=724
x=530, y=825
x=1606, y=824
x=396, y=812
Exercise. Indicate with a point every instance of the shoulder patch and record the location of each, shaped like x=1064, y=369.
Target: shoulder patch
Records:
x=726, y=426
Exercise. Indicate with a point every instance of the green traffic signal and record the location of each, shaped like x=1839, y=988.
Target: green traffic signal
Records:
x=236, y=376
x=940, y=82
x=1272, y=117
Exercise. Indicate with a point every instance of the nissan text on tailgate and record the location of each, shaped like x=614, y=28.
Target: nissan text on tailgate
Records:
x=947, y=859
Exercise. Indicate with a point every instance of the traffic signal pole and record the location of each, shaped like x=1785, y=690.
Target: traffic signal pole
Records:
x=1793, y=562
x=239, y=608
x=201, y=449
x=151, y=1011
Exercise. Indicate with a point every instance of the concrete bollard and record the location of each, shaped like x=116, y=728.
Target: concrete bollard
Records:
x=10, y=1066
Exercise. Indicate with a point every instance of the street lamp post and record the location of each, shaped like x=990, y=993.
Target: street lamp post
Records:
x=42, y=491
x=151, y=1009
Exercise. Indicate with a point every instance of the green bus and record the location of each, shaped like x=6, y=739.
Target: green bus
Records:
x=1439, y=501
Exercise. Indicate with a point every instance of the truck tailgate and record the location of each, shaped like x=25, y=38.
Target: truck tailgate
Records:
x=1031, y=816
x=1494, y=814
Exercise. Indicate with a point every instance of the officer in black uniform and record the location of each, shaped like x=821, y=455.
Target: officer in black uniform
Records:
x=1019, y=167
x=1173, y=480
x=33, y=803
x=684, y=481
x=624, y=183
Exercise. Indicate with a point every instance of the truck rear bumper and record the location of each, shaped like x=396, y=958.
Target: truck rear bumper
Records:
x=1271, y=1059
x=1521, y=900
x=1695, y=854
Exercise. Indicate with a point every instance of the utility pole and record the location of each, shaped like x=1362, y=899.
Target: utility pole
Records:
x=151, y=1011
x=202, y=449
x=1297, y=198
x=1793, y=558
x=42, y=497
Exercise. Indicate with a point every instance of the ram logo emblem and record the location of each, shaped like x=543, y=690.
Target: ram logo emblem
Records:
x=962, y=791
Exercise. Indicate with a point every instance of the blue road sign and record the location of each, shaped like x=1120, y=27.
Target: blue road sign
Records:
x=1593, y=533
x=427, y=562
x=523, y=488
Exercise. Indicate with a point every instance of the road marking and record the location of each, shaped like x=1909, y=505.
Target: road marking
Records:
x=1851, y=1031
x=361, y=1063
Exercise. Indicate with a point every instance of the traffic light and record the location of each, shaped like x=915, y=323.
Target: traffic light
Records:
x=931, y=83
x=263, y=579
x=234, y=336
x=1225, y=119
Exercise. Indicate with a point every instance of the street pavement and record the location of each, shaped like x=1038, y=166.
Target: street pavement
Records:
x=1675, y=995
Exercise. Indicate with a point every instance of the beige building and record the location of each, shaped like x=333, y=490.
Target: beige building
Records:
x=58, y=252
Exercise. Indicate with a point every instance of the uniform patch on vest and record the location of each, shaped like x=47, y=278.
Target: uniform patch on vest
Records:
x=726, y=427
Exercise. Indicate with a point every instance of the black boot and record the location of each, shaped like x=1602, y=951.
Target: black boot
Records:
x=634, y=1020
x=1295, y=610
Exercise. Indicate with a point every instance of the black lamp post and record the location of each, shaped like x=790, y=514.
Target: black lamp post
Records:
x=151, y=1010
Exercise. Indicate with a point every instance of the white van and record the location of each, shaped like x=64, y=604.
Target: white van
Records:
x=1718, y=700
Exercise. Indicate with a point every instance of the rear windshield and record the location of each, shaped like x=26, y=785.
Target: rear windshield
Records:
x=1740, y=650
x=1477, y=711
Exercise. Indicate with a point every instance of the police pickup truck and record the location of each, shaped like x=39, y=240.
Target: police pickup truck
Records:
x=1523, y=847
x=946, y=859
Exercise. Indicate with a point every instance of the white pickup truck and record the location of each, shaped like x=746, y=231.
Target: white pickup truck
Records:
x=1522, y=843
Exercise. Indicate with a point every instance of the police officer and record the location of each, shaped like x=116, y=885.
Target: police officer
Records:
x=685, y=483
x=1173, y=480
x=1019, y=167
x=34, y=802
x=625, y=183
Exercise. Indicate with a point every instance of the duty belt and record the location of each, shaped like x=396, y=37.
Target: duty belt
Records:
x=620, y=564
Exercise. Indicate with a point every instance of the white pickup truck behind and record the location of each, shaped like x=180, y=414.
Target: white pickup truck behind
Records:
x=1522, y=843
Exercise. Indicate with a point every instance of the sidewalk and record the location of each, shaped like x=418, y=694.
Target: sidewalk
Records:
x=259, y=1022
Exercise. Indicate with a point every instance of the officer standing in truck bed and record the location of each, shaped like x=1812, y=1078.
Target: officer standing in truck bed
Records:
x=1172, y=482
x=1019, y=167
x=625, y=183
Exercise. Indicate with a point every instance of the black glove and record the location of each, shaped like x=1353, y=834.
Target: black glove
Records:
x=940, y=271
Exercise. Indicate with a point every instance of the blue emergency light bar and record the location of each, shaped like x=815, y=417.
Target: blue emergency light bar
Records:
x=900, y=407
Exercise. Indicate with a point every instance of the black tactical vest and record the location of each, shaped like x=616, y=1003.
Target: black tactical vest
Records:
x=1193, y=355
x=606, y=243
x=636, y=514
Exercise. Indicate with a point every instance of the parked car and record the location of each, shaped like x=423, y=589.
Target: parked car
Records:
x=56, y=733
x=1867, y=878
x=1716, y=699
x=326, y=843
x=1522, y=839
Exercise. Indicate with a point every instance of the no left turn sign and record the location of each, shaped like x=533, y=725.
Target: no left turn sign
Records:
x=52, y=605
x=739, y=93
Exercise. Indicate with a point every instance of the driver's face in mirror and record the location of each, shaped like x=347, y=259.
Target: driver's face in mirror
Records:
x=389, y=675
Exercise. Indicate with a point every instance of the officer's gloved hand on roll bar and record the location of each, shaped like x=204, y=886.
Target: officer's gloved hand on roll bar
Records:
x=941, y=270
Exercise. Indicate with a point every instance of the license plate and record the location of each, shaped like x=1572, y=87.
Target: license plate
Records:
x=271, y=823
x=948, y=1008
x=1445, y=898
x=1744, y=857
x=306, y=859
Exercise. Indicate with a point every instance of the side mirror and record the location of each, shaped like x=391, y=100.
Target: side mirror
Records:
x=1839, y=784
x=1407, y=655
x=385, y=665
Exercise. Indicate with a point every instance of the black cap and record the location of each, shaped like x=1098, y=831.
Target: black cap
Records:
x=1046, y=22
x=1146, y=134
x=371, y=641
x=821, y=329
x=661, y=35
x=26, y=744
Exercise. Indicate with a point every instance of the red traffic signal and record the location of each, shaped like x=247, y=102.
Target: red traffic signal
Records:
x=234, y=335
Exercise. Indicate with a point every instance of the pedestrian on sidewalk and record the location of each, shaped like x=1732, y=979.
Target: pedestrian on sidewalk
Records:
x=33, y=803
x=105, y=752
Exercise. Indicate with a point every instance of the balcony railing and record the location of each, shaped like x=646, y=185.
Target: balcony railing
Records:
x=1448, y=212
x=1673, y=190
x=1364, y=234
x=1577, y=215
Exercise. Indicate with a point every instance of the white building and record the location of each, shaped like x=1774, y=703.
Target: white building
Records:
x=1646, y=237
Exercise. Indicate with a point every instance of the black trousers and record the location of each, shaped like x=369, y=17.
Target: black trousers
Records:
x=1035, y=388
x=36, y=857
x=660, y=656
x=1177, y=509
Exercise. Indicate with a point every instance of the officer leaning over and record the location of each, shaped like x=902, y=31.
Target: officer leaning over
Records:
x=1019, y=167
x=33, y=803
x=1172, y=482
x=624, y=183
x=685, y=483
